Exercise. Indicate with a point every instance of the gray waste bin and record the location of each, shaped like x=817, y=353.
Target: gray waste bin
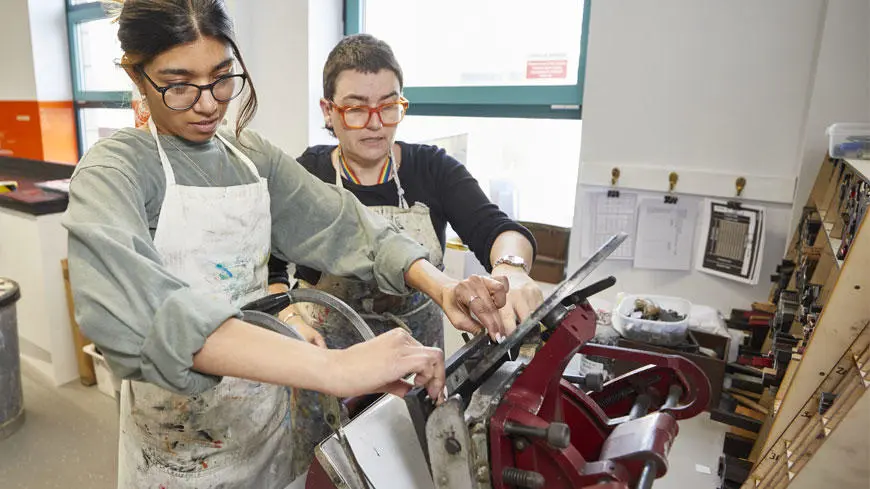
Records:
x=11, y=400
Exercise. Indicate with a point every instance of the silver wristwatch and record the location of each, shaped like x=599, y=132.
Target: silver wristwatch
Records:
x=512, y=260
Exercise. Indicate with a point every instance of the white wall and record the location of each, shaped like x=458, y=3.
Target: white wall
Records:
x=325, y=29
x=48, y=37
x=272, y=36
x=16, y=60
x=284, y=44
x=699, y=85
x=841, y=87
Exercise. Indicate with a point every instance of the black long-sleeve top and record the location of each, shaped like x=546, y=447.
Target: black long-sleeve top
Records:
x=428, y=175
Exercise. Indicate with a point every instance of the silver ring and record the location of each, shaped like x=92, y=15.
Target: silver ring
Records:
x=473, y=298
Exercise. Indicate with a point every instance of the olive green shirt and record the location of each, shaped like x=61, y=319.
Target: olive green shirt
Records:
x=149, y=323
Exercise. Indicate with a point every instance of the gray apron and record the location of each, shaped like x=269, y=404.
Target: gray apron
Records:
x=238, y=434
x=381, y=311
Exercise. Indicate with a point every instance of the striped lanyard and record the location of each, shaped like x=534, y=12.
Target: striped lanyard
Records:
x=349, y=174
x=388, y=168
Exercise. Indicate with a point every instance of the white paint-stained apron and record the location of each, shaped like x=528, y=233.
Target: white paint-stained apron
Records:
x=236, y=435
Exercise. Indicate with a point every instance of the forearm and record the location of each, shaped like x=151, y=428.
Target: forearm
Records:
x=424, y=277
x=238, y=349
x=278, y=288
x=512, y=243
x=524, y=294
x=339, y=235
x=288, y=311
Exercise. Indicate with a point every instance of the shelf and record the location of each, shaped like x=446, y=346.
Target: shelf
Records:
x=841, y=462
x=786, y=381
x=801, y=446
x=862, y=167
x=834, y=242
x=808, y=432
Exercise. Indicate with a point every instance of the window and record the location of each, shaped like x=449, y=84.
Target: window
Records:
x=501, y=58
x=99, y=50
x=504, y=97
x=101, y=90
x=527, y=166
x=97, y=123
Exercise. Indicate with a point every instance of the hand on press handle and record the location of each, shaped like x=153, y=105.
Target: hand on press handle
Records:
x=291, y=317
x=381, y=365
x=473, y=304
x=310, y=334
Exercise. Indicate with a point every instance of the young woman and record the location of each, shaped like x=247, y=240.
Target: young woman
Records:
x=170, y=230
x=418, y=187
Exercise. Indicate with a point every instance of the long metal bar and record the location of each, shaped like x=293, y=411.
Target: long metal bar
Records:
x=640, y=408
x=648, y=476
x=495, y=353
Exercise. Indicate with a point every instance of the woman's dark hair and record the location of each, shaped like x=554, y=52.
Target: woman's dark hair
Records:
x=148, y=28
x=360, y=52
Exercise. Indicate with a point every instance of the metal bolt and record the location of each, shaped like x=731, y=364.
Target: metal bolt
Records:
x=521, y=444
x=452, y=446
x=557, y=434
x=443, y=481
x=523, y=478
x=482, y=474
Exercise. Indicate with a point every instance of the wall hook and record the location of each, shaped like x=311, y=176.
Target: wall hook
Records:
x=740, y=184
x=614, y=178
x=673, y=178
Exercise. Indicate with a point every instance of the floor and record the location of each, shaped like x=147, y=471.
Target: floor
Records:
x=694, y=457
x=69, y=439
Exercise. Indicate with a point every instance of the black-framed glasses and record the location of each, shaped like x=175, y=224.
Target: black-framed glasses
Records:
x=183, y=96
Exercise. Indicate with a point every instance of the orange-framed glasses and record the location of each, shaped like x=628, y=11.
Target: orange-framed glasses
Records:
x=359, y=116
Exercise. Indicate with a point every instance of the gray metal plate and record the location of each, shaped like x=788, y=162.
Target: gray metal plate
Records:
x=386, y=446
x=563, y=290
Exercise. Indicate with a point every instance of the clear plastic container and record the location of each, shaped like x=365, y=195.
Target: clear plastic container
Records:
x=107, y=383
x=849, y=140
x=655, y=332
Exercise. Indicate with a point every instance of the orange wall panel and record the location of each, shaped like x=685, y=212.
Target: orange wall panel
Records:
x=38, y=130
x=20, y=131
x=58, y=125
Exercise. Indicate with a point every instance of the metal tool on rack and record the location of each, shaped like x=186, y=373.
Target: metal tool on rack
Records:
x=512, y=421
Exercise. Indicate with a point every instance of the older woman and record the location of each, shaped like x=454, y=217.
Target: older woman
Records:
x=420, y=188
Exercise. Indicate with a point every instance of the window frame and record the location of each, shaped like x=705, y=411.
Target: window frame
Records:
x=84, y=99
x=547, y=102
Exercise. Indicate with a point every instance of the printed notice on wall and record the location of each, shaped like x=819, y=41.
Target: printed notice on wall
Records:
x=732, y=241
x=549, y=68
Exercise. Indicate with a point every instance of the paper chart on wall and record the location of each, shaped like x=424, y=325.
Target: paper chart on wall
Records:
x=665, y=234
x=608, y=215
x=732, y=241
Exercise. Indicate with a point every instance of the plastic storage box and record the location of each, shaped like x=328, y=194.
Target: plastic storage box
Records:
x=654, y=332
x=106, y=380
x=849, y=140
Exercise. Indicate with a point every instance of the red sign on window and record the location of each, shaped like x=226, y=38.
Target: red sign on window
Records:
x=551, y=68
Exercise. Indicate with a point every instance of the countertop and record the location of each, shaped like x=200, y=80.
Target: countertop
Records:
x=28, y=198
